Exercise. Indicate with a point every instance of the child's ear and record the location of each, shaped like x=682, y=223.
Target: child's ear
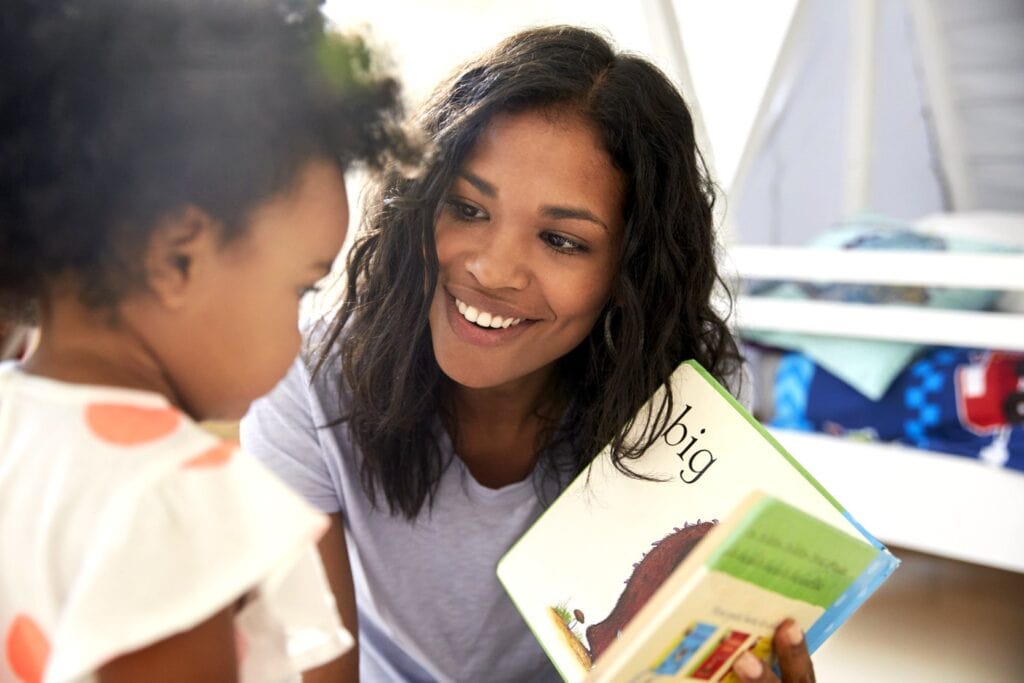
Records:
x=177, y=252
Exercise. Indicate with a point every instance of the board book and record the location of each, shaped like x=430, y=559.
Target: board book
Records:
x=674, y=576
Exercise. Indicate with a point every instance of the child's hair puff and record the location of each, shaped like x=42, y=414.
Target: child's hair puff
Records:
x=115, y=114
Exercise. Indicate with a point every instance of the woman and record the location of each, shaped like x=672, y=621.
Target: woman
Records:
x=508, y=309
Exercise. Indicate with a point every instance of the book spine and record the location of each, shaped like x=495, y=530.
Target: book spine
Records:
x=864, y=532
x=846, y=604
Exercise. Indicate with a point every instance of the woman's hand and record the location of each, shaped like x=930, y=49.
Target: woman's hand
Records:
x=794, y=662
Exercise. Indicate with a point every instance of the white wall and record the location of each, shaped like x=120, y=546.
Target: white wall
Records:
x=730, y=45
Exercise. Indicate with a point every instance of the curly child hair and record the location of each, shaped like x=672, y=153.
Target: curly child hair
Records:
x=660, y=311
x=118, y=113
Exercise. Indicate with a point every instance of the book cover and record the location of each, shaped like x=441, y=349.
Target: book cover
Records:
x=615, y=582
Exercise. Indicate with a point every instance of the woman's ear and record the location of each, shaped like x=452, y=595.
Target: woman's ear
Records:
x=178, y=251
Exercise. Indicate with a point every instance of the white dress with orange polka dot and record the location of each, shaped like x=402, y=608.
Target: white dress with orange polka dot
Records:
x=123, y=523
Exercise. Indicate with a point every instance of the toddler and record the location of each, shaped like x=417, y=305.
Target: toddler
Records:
x=173, y=185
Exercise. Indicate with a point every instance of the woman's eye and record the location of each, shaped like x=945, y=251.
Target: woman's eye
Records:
x=465, y=212
x=311, y=289
x=563, y=244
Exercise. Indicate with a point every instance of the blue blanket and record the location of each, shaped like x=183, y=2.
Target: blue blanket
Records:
x=967, y=402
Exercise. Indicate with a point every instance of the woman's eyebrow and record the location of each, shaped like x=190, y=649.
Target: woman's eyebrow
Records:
x=555, y=212
x=560, y=212
x=479, y=183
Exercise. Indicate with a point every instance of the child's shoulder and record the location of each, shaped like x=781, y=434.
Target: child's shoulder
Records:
x=95, y=422
x=117, y=446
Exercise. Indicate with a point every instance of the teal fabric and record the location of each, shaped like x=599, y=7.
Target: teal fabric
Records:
x=867, y=365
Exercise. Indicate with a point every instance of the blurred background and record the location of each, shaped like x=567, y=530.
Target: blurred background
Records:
x=870, y=158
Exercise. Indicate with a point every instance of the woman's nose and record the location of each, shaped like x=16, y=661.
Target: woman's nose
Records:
x=499, y=260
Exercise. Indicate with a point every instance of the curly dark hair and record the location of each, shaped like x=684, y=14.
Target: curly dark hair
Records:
x=117, y=113
x=659, y=313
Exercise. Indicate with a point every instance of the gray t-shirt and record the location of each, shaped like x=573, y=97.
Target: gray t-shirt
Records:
x=429, y=603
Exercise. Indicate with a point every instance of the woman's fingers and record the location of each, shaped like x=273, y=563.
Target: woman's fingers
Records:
x=791, y=649
x=794, y=662
x=750, y=669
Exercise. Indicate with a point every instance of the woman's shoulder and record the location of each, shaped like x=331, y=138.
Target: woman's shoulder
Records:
x=321, y=357
x=298, y=429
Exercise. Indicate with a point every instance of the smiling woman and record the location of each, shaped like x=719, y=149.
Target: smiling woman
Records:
x=507, y=311
x=529, y=233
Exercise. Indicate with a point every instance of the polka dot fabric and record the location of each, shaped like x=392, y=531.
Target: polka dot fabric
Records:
x=26, y=649
x=124, y=424
x=213, y=457
x=139, y=524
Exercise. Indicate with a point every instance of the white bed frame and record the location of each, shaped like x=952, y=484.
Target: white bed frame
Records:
x=933, y=502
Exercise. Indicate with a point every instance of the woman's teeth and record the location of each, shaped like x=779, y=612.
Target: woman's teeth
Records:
x=483, y=318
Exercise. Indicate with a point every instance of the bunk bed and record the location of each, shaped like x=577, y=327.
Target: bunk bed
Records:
x=930, y=501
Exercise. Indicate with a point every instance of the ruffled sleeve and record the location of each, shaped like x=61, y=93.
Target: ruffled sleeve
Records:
x=189, y=540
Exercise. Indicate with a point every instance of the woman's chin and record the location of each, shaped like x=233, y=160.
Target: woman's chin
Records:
x=472, y=377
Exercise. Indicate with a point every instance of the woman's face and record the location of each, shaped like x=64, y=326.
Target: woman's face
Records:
x=528, y=242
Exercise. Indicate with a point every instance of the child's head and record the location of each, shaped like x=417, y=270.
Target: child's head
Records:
x=153, y=151
x=647, y=311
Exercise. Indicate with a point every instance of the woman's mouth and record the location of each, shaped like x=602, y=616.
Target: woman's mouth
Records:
x=483, y=318
x=481, y=327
